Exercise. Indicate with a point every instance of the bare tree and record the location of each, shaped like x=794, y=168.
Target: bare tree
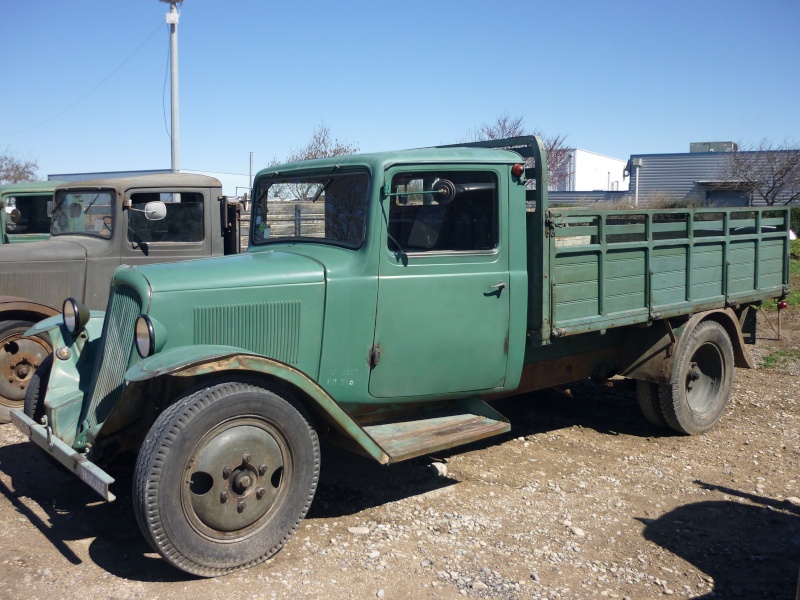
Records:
x=767, y=171
x=321, y=145
x=506, y=126
x=14, y=170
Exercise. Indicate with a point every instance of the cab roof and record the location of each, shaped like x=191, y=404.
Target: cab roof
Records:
x=380, y=161
x=29, y=187
x=171, y=180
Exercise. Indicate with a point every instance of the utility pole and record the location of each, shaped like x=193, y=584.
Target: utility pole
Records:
x=172, y=21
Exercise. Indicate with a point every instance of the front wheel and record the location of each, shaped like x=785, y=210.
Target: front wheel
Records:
x=225, y=476
x=19, y=358
x=700, y=385
x=37, y=390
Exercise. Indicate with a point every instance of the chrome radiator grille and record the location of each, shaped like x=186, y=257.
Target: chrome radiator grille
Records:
x=115, y=355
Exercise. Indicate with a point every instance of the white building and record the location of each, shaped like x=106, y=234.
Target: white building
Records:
x=586, y=171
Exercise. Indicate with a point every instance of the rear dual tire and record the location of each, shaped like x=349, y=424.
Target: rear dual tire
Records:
x=700, y=386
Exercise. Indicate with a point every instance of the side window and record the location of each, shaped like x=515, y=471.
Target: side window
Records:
x=184, y=221
x=443, y=211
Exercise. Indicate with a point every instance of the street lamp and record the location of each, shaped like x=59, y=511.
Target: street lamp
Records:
x=172, y=21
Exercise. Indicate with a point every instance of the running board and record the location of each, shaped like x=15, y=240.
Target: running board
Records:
x=456, y=422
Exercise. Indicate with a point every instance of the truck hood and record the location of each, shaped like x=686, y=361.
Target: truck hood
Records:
x=51, y=251
x=267, y=303
x=229, y=272
x=43, y=272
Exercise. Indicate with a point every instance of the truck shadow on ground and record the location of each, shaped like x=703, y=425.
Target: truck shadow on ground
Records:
x=73, y=512
x=348, y=484
x=750, y=549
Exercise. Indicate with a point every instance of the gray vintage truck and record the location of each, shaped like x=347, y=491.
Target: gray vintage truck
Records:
x=96, y=226
x=407, y=290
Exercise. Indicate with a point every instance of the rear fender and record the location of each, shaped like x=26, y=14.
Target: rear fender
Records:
x=200, y=361
x=648, y=355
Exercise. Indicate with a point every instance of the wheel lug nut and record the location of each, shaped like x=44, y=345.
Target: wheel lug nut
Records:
x=262, y=469
x=246, y=457
x=223, y=496
x=226, y=472
x=260, y=493
x=242, y=505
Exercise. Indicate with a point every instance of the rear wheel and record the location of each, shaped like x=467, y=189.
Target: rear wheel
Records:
x=19, y=358
x=702, y=376
x=225, y=476
x=649, y=403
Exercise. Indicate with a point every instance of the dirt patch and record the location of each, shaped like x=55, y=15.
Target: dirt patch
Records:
x=582, y=499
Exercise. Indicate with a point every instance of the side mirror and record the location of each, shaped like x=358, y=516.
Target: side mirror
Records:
x=14, y=215
x=154, y=211
x=444, y=191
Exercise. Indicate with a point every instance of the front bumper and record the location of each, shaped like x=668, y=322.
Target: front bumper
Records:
x=87, y=471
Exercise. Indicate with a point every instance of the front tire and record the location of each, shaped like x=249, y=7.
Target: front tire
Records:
x=702, y=376
x=225, y=476
x=37, y=390
x=19, y=358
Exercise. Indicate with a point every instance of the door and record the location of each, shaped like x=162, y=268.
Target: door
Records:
x=443, y=308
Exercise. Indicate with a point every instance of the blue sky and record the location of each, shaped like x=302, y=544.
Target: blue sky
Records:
x=257, y=76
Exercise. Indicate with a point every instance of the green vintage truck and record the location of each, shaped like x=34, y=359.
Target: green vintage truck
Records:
x=383, y=300
x=26, y=210
x=96, y=226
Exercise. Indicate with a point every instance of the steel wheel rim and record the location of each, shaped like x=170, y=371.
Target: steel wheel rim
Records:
x=21, y=356
x=236, y=479
x=704, y=379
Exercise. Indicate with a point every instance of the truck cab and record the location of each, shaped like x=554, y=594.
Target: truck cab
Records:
x=26, y=211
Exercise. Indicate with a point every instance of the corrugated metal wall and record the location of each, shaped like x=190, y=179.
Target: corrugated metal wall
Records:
x=675, y=175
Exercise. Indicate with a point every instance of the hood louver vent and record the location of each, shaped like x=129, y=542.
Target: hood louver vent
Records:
x=271, y=329
x=45, y=287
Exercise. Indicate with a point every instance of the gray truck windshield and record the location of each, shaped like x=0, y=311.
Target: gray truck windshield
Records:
x=327, y=208
x=86, y=213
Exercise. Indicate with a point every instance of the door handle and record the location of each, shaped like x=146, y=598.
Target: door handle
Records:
x=499, y=286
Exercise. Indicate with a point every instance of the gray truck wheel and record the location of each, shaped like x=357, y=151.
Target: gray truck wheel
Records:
x=225, y=476
x=649, y=403
x=702, y=375
x=37, y=389
x=19, y=358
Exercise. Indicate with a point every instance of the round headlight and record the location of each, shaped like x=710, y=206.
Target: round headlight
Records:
x=145, y=336
x=75, y=315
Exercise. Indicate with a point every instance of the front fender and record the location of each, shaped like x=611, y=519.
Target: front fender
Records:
x=73, y=364
x=192, y=361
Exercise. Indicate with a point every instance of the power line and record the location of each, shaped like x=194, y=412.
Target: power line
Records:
x=87, y=94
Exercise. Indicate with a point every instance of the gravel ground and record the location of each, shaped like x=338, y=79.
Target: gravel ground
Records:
x=583, y=499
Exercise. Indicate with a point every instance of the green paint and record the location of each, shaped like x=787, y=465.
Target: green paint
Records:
x=386, y=289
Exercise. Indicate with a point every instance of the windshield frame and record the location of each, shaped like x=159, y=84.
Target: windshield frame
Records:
x=60, y=195
x=322, y=177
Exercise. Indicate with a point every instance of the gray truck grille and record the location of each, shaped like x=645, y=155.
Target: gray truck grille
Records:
x=115, y=355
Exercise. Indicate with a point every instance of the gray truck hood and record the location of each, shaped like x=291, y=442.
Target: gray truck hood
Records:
x=51, y=251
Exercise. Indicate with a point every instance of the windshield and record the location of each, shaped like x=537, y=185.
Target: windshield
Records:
x=83, y=213
x=327, y=208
